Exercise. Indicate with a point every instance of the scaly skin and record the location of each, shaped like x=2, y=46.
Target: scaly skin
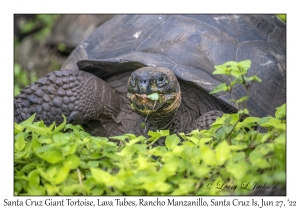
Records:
x=79, y=95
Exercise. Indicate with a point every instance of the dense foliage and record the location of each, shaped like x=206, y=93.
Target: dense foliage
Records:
x=236, y=154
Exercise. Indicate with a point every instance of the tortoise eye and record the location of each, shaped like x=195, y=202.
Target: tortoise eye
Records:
x=161, y=80
x=132, y=81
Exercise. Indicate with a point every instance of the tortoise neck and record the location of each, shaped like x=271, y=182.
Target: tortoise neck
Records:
x=164, y=120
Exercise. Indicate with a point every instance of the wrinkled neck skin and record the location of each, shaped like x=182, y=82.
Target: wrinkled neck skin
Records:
x=163, y=120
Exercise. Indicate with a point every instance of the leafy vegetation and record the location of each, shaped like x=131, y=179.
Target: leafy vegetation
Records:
x=228, y=159
x=39, y=26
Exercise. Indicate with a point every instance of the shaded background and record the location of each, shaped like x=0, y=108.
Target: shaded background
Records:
x=42, y=42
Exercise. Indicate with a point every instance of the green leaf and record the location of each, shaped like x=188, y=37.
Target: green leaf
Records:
x=272, y=122
x=62, y=174
x=153, y=96
x=51, y=190
x=239, y=156
x=29, y=120
x=238, y=73
x=221, y=87
x=172, y=141
x=164, y=132
x=250, y=121
x=33, y=179
x=237, y=170
x=244, y=98
x=230, y=63
x=245, y=64
x=222, y=152
x=40, y=190
x=280, y=112
x=20, y=142
x=252, y=78
x=18, y=185
x=238, y=147
x=221, y=70
x=34, y=128
x=51, y=156
x=208, y=155
x=101, y=176
x=73, y=161
x=201, y=171
x=60, y=139
x=257, y=159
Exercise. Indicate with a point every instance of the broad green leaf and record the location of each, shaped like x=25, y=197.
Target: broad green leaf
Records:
x=60, y=139
x=245, y=64
x=18, y=185
x=69, y=149
x=237, y=170
x=95, y=155
x=73, y=161
x=208, y=155
x=71, y=189
x=281, y=139
x=28, y=167
x=239, y=137
x=33, y=179
x=51, y=190
x=164, y=132
x=238, y=73
x=238, y=156
x=238, y=147
x=280, y=112
x=222, y=152
x=142, y=163
x=172, y=141
x=18, y=128
x=93, y=164
x=257, y=159
x=97, y=191
x=156, y=187
x=153, y=96
x=170, y=167
x=249, y=121
x=221, y=87
x=40, y=190
x=154, y=134
x=51, y=156
x=101, y=176
x=271, y=122
x=205, y=140
x=200, y=171
x=62, y=174
x=230, y=63
x=34, y=128
x=221, y=70
x=43, y=174
x=265, y=137
x=192, y=139
x=20, y=142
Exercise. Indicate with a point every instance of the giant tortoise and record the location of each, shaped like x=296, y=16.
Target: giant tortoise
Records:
x=105, y=83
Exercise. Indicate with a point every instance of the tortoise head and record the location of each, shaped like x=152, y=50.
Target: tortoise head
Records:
x=154, y=91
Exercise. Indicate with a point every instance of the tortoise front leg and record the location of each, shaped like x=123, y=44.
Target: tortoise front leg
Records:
x=80, y=96
x=205, y=120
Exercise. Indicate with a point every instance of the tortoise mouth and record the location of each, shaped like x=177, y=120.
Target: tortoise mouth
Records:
x=145, y=105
